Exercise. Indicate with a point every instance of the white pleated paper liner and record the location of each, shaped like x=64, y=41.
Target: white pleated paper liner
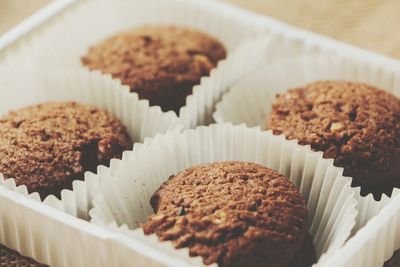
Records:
x=124, y=196
x=368, y=207
x=126, y=236
x=58, y=239
x=61, y=42
x=47, y=235
x=374, y=243
x=200, y=105
x=245, y=60
x=22, y=89
x=250, y=100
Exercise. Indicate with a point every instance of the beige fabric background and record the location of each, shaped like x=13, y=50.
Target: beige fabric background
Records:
x=372, y=24
x=13, y=11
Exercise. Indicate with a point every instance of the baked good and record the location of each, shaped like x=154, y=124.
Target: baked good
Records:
x=11, y=258
x=48, y=146
x=394, y=261
x=231, y=213
x=160, y=63
x=356, y=124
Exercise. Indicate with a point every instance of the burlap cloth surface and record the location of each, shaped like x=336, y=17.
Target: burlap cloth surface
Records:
x=371, y=24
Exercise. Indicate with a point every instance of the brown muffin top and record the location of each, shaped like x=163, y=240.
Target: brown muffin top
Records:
x=356, y=124
x=231, y=213
x=11, y=258
x=47, y=146
x=153, y=60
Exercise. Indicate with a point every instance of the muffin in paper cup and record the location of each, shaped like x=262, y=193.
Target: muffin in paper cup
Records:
x=250, y=100
x=376, y=244
x=123, y=199
x=35, y=87
x=89, y=22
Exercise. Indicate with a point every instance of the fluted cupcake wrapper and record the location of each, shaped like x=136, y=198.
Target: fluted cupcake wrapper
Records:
x=250, y=100
x=200, y=105
x=161, y=249
x=62, y=42
x=34, y=87
x=58, y=239
x=368, y=207
x=124, y=196
x=375, y=243
x=245, y=60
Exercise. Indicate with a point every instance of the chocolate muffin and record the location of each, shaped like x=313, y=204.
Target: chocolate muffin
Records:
x=46, y=147
x=394, y=261
x=160, y=63
x=231, y=213
x=356, y=124
x=11, y=258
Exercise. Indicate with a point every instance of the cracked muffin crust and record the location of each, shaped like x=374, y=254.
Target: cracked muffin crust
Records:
x=231, y=213
x=160, y=63
x=356, y=124
x=11, y=258
x=48, y=146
